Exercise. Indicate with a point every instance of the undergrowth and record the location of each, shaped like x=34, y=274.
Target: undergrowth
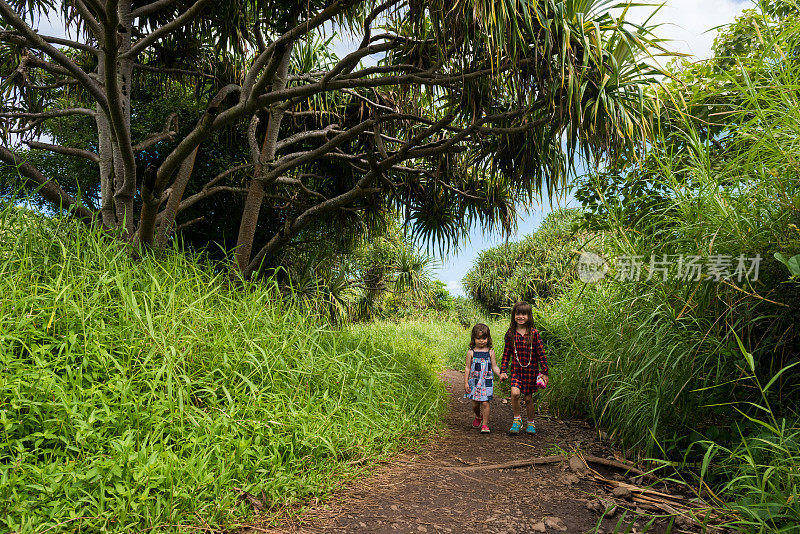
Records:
x=140, y=393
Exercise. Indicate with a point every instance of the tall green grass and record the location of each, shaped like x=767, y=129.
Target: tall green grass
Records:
x=658, y=363
x=139, y=393
x=760, y=470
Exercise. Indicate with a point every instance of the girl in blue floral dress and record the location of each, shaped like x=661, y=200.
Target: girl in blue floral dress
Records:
x=478, y=375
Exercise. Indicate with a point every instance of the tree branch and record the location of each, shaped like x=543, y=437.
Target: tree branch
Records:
x=52, y=68
x=292, y=160
x=252, y=142
x=293, y=226
x=306, y=135
x=47, y=114
x=190, y=223
x=284, y=180
x=361, y=189
x=48, y=189
x=180, y=21
x=151, y=8
x=36, y=41
x=204, y=126
x=302, y=92
x=18, y=39
x=91, y=21
x=67, y=151
x=168, y=133
x=211, y=183
x=165, y=70
x=205, y=193
x=253, y=83
x=120, y=127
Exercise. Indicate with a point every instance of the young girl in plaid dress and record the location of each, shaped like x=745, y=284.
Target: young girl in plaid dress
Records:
x=524, y=360
x=478, y=375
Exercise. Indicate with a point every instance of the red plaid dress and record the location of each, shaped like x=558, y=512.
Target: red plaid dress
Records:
x=527, y=363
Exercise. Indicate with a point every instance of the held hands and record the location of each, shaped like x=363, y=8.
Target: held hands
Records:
x=503, y=376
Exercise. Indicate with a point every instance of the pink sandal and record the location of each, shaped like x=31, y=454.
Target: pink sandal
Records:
x=485, y=429
x=476, y=423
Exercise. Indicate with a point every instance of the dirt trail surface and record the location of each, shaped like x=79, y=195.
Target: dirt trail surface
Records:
x=436, y=491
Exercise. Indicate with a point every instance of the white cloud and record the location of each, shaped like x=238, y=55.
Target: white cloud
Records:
x=455, y=288
x=689, y=24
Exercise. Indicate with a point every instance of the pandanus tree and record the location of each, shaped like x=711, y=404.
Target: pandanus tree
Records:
x=450, y=112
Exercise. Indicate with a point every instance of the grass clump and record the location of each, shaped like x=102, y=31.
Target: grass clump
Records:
x=138, y=393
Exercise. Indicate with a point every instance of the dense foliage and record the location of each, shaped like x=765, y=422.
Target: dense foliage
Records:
x=136, y=395
x=377, y=276
x=701, y=369
x=540, y=266
x=696, y=367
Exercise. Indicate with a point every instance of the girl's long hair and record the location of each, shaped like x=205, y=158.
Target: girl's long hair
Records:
x=481, y=330
x=522, y=307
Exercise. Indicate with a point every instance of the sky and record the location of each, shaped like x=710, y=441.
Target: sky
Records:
x=690, y=25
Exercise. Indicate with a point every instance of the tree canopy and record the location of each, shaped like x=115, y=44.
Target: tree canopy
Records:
x=471, y=108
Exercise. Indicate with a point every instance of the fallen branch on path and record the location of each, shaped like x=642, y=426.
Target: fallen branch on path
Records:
x=689, y=512
x=676, y=500
x=624, y=466
x=587, y=458
x=512, y=465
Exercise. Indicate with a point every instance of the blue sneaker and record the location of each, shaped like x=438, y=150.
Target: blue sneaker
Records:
x=531, y=428
x=515, y=426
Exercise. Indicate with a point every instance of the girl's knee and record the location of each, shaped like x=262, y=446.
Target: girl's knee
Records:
x=515, y=392
x=529, y=398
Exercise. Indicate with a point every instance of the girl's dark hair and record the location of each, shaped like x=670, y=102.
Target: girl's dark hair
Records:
x=480, y=330
x=524, y=308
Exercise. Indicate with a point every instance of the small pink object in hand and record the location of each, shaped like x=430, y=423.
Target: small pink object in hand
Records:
x=541, y=381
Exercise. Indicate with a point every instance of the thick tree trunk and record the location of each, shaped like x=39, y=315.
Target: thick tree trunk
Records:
x=255, y=193
x=175, y=196
x=118, y=88
x=105, y=151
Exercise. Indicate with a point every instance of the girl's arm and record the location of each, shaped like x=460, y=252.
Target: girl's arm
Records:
x=467, y=370
x=538, y=349
x=495, y=369
x=507, y=351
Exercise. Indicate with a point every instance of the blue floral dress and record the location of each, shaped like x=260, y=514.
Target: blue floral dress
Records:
x=480, y=377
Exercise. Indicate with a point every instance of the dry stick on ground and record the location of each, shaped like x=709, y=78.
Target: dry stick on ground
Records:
x=554, y=459
x=512, y=465
x=671, y=504
x=628, y=468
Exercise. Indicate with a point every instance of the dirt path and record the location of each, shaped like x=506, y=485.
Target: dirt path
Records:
x=427, y=492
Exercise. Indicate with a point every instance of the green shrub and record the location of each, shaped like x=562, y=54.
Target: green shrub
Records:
x=140, y=393
x=540, y=266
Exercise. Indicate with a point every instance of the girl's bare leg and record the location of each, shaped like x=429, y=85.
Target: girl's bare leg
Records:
x=476, y=407
x=515, y=392
x=485, y=412
x=530, y=406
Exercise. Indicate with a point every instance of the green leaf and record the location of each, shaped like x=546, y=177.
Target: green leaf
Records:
x=793, y=263
x=747, y=355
